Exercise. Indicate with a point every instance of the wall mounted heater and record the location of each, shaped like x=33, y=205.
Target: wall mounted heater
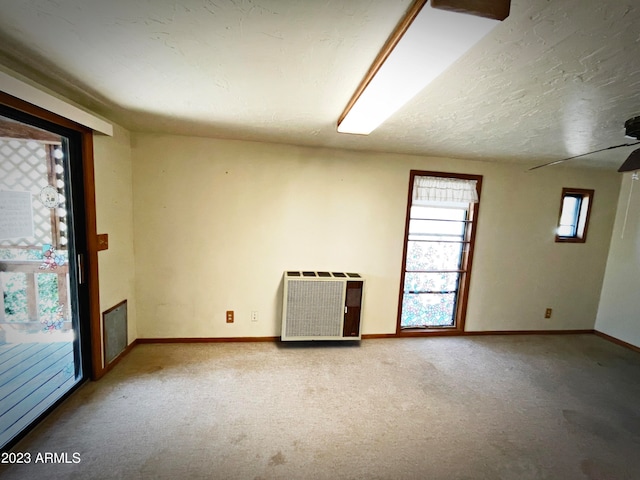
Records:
x=321, y=305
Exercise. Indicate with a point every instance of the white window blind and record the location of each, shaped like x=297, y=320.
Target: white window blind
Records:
x=441, y=189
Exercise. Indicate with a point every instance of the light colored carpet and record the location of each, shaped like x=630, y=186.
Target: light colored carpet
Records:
x=500, y=407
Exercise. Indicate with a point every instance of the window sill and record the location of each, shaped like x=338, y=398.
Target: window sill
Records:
x=424, y=332
x=570, y=240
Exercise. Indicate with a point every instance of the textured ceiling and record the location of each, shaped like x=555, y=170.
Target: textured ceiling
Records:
x=555, y=79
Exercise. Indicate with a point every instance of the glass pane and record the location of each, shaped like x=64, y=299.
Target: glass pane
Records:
x=436, y=227
x=433, y=256
x=430, y=282
x=428, y=310
x=566, y=231
x=425, y=237
x=569, y=216
x=438, y=213
x=39, y=338
x=435, y=244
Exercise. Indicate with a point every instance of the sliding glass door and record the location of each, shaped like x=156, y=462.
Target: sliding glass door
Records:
x=42, y=350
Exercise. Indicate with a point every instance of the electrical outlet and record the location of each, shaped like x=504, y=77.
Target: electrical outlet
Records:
x=254, y=316
x=547, y=313
x=229, y=316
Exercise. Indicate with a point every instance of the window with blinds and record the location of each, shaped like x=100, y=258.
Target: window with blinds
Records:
x=439, y=236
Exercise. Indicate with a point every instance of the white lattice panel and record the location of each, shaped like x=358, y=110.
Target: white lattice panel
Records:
x=23, y=167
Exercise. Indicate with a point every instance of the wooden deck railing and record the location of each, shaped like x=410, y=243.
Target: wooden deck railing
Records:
x=31, y=268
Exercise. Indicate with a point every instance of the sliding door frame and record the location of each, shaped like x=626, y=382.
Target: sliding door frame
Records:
x=94, y=342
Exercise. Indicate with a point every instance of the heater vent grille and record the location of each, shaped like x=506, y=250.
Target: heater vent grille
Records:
x=115, y=331
x=314, y=309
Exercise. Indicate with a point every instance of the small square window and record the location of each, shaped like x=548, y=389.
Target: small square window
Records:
x=575, y=208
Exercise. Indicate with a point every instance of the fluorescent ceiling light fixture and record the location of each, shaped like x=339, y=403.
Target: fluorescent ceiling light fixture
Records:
x=431, y=37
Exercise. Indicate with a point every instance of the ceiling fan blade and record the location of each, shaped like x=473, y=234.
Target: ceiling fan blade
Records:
x=632, y=163
x=555, y=162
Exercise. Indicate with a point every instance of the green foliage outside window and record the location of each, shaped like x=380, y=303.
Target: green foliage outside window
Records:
x=14, y=289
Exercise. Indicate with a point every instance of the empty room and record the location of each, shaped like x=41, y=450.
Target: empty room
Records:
x=254, y=239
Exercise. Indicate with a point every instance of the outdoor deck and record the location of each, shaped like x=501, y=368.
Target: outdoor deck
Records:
x=32, y=377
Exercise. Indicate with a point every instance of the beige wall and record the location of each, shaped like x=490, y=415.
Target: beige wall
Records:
x=619, y=315
x=218, y=221
x=114, y=211
x=519, y=269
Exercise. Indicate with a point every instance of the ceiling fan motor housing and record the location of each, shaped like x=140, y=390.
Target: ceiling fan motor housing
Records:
x=632, y=128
